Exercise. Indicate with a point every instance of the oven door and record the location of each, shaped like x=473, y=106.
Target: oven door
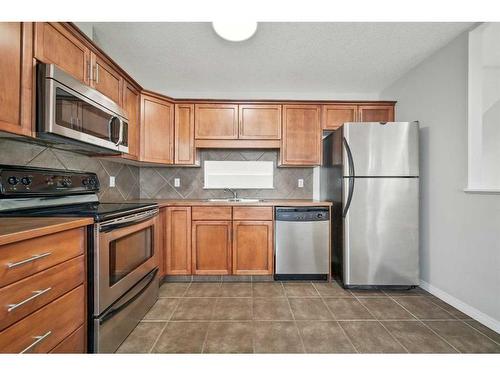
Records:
x=126, y=251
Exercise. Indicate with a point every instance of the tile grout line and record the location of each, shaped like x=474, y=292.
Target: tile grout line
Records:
x=475, y=329
x=294, y=320
x=338, y=324
x=253, y=316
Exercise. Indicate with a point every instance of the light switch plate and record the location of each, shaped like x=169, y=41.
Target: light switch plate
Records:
x=177, y=182
x=300, y=182
x=111, y=181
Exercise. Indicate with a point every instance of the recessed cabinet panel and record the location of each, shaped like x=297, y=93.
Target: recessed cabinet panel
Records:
x=106, y=80
x=372, y=113
x=260, y=121
x=178, y=241
x=216, y=121
x=131, y=104
x=211, y=244
x=184, y=134
x=334, y=116
x=252, y=247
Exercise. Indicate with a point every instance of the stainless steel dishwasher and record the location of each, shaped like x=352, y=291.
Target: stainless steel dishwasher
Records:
x=302, y=236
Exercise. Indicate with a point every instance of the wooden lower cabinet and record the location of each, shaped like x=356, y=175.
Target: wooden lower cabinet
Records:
x=211, y=247
x=252, y=247
x=73, y=344
x=178, y=241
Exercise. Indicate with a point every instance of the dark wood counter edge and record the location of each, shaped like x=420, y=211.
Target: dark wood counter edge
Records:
x=14, y=229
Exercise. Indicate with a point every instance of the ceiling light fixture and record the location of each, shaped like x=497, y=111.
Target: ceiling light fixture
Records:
x=235, y=31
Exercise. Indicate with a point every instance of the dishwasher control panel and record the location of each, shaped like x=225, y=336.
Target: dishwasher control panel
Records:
x=302, y=214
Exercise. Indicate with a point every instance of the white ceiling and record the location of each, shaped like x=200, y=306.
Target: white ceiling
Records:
x=282, y=60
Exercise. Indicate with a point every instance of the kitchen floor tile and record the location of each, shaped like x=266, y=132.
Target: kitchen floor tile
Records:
x=371, y=337
x=385, y=308
x=423, y=307
x=268, y=289
x=195, y=309
x=417, y=338
x=299, y=289
x=485, y=330
x=324, y=337
x=466, y=339
x=450, y=309
x=233, y=309
x=367, y=292
x=347, y=309
x=332, y=289
x=230, y=289
x=406, y=292
x=204, y=290
x=229, y=337
x=309, y=309
x=142, y=338
x=271, y=309
x=162, y=309
x=182, y=337
x=277, y=337
x=173, y=289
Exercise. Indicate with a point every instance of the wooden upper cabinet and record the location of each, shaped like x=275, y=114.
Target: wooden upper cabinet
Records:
x=131, y=105
x=157, y=130
x=216, y=121
x=333, y=115
x=252, y=247
x=259, y=121
x=184, y=134
x=376, y=113
x=54, y=44
x=178, y=241
x=106, y=80
x=16, y=78
x=301, y=140
x=211, y=247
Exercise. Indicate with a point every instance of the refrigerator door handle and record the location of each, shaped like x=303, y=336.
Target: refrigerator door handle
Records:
x=351, y=177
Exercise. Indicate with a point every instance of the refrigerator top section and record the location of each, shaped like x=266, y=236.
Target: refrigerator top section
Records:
x=381, y=149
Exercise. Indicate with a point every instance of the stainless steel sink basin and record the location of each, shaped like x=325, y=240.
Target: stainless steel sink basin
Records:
x=236, y=200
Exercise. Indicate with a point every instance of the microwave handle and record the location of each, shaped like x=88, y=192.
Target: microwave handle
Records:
x=120, y=132
x=120, y=136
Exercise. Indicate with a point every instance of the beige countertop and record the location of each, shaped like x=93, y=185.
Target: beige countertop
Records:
x=204, y=202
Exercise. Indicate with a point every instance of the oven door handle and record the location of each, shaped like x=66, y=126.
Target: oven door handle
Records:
x=126, y=221
x=116, y=309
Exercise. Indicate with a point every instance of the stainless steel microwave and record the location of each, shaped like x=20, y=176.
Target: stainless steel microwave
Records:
x=75, y=116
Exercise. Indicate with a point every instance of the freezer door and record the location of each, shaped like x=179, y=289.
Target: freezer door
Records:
x=381, y=232
x=382, y=150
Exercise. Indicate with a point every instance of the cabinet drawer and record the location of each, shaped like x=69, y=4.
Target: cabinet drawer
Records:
x=44, y=329
x=28, y=295
x=252, y=213
x=74, y=343
x=25, y=258
x=211, y=213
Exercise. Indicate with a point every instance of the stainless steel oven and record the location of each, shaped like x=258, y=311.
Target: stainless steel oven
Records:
x=126, y=276
x=73, y=114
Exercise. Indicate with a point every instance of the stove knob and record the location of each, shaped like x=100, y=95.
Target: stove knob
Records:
x=26, y=180
x=319, y=216
x=85, y=181
x=13, y=180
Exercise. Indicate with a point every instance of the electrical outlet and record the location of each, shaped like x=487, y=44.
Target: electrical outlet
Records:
x=300, y=182
x=111, y=181
x=177, y=182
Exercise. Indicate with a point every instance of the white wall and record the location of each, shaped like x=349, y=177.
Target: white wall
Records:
x=460, y=232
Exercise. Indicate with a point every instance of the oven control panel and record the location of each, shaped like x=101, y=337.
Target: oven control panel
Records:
x=26, y=181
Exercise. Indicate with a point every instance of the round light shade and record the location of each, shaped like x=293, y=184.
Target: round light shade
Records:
x=235, y=31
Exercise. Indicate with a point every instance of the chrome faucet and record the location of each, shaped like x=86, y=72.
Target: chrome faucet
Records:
x=235, y=194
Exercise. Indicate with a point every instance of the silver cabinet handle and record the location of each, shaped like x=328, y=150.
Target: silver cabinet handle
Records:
x=96, y=78
x=32, y=259
x=38, y=339
x=38, y=293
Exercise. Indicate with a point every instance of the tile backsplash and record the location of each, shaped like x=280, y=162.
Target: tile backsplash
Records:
x=156, y=182
x=14, y=152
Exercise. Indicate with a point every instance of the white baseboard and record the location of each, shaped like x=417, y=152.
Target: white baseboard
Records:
x=474, y=313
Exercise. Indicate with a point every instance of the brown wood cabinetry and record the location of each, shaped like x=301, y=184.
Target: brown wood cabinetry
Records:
x=252, y=247
x=16, y=78
x=157, y=130
x=259, y=121
x=211, y=247
x=178, y=241
x=216, y=121
x=184, y=134
x=131, y=105
x=106, y=79
x=375, y=113
x=335, y=115
x=301, y=142
x=73, y=344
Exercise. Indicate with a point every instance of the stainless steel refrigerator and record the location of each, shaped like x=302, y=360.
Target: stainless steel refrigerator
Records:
x=370, y=172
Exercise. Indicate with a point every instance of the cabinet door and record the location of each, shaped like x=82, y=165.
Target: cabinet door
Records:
x=252, y=247
x=211, y=247
x=216, y=121
x=157, y=130
x=376, y=113
x=16, y=77
x=301, y=143
x=178, y=241
x=184, y=134
x=131, y=105
x=260, y=121
x=106, y=80
x=334, y=116
x=56, y=45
